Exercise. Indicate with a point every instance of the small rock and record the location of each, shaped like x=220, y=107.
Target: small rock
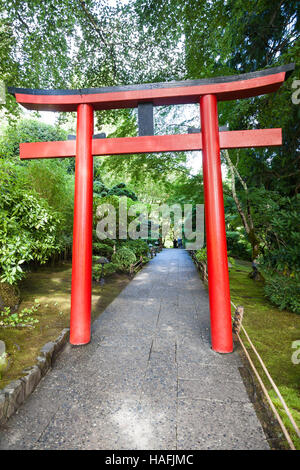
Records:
x=15, y=394
x=31, y=380
x=43, y=364
x=2, y=347
x=3, y=407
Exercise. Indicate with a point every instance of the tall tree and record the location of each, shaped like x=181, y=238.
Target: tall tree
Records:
x=233, y=37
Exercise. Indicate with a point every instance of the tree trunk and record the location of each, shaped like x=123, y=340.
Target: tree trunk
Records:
x=246, y=217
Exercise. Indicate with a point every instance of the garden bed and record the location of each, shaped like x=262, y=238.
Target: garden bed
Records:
x=52, y=287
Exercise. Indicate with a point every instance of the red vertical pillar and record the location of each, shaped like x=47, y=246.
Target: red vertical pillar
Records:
x=217, y=263
x=80, y=324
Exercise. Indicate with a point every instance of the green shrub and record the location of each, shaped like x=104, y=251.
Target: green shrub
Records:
x=108, y=269
x=102, y=249
x=284, y=292
x=118, y=190
x=231, y=260
x=109, y=242
x=139, y=247
x=28, y=130
x=201, y=255
x=29, y=228
x=124, y=257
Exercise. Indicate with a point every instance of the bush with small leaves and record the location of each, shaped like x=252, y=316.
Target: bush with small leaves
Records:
x=139, y=247
x=108, y=270
x=102, y=249
x=284, y=292
x=124, y=257
x=28, y=226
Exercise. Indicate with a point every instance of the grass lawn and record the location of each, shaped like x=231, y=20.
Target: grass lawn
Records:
x=272, y=332
x=52, y=287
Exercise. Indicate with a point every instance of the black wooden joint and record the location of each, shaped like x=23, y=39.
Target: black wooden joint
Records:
x=95, y=136
x=194, y=130
x=145, y=119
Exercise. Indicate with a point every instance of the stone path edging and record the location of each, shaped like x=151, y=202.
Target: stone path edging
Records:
x=16, y=392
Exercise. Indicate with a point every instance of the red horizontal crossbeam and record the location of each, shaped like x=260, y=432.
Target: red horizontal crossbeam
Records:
x=152, y=144
x=167, y=93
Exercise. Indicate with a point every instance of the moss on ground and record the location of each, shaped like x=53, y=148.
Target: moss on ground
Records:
x=9, y=295
x=52, y=287
x=272, y=331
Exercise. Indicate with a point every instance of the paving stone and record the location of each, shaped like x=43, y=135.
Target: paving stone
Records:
x=160, y=380
x=198, y=370
x=212, y=387
x=208, y=424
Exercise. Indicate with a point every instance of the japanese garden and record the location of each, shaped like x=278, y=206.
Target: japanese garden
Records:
x=150, y=224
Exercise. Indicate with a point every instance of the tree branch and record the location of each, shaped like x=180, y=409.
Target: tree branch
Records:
x=98, y=30
x=233, y=171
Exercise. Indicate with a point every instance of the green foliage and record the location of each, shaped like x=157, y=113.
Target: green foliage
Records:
x=186, y=189
x=139, y=247
x=24, y=317
x=237, y=240
x=284, y=293
x=28, y=226
x=119, y=190
x=52, y=183
x=27, y=130
x=53, y=44
x=102, y=249
x=234, y=37
x=124, y=257
x=201, y=255
x=238, y=244
x=49, y=178
x=34, y=31
x=280, y=221
x=108, y=270
x=231, y=260
x=100, y=189
x=36, y=203
x=114, y=201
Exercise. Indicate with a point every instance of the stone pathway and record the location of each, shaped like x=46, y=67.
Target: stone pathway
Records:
x=147, y=380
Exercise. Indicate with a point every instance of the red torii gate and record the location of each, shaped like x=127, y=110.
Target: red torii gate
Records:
x=206, y=92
